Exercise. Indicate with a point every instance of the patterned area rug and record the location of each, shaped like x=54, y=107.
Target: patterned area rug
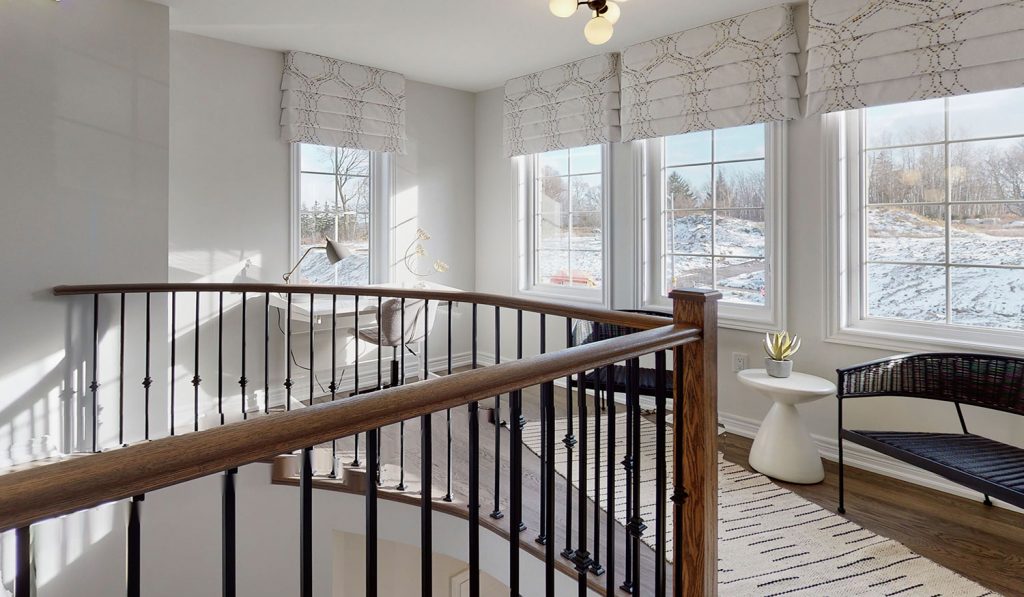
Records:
x=771, y=541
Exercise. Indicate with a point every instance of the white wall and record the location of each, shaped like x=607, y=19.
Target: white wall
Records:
x=805, y=229
x=230, y=206
x=83, y=160
x=229, y=170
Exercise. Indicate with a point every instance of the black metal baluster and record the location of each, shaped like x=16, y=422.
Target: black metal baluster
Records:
x=636, y=523
x=134, y=543
x=518, y=421
x=220, y=355
x=380, y=348
x=334, y=374
x=627, y=464
x=497, y=513
x=148, y=380
x=174, y=340
x=596, y=566
x=288, y=355
x=660, y=476
x=401, y=378
x=306, y=524
x=426, y=483
x=355, y=377
x=333, y=388
x=242, y=380
x=196, y=380
x=380, y=384
x=582, y=557
x=568, y=441
x=95, y=385
x=609, y=380
x=542, y=535
x=519, y=356
x=266, y=353
x=448, y=416
x=516, y=526
x=228, y=574
x=312, y=369
x=547, y=400
x=474, y=479
x=120, y=379
x=372, y=464
x=23, y=557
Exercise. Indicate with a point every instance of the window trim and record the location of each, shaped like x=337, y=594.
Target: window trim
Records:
x=843, y=174
x=524, y=191
x=382, y=172
x=752, y=318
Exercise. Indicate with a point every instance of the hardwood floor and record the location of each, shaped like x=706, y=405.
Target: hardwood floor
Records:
x=985, y=544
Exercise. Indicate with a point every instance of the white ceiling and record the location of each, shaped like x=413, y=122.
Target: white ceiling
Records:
x=465, y=44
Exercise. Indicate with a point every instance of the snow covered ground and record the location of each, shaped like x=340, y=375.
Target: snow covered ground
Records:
x=981, y=296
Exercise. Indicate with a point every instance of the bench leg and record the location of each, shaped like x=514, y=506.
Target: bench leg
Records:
x=842, y=492
x=987, y=502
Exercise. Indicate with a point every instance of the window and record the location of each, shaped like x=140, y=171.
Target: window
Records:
x=934, y=219
x=338, y=196
x=712, y=220
x=563, y=220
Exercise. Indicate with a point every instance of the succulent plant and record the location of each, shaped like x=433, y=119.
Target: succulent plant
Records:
x=780, y=346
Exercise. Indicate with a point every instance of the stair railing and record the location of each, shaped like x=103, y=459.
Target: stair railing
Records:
x=139, y=467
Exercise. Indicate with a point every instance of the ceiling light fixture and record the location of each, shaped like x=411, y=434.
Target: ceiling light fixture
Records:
x=600, y=27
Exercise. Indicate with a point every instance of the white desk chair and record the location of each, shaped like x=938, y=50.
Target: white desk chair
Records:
x=388, y=331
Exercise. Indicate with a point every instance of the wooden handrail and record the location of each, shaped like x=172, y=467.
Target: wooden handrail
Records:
x=64, y=487
x=633, y=320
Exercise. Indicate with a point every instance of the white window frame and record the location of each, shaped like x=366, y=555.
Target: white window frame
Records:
x=756, y=318
x=846, y=240
x=382, y=172
x=524, y=268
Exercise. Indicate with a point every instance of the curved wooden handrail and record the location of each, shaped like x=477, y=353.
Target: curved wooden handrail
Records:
x=64, y=487
x=633, y=320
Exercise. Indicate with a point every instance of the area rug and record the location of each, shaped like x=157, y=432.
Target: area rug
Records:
x=771, y=542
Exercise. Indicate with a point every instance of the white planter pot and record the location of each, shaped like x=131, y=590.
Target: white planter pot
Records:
x=778, y=368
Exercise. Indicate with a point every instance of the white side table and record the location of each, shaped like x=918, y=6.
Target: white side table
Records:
x=783, y=449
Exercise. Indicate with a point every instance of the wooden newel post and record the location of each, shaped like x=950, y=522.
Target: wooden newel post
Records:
x=695, y=445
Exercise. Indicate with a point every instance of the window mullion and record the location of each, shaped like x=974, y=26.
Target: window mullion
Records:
x=949, y=214
x=714, y=213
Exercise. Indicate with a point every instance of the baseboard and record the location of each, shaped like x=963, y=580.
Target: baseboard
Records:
x=858, y=456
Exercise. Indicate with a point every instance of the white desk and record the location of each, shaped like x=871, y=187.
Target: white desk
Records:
x=344, y=308
x=783, y=449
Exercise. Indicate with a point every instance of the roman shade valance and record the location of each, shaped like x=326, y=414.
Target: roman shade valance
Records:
x=873, y=52
x=331, y=102
x=572, y=105
x=734, y=72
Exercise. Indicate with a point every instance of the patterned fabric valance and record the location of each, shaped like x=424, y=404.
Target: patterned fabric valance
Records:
x=872, y=52
x=331, y=102
x=572, y=105
x=730, y=73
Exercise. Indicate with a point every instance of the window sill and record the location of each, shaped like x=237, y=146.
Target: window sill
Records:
x=730, y=322
x=596, y=298
x=915, y=340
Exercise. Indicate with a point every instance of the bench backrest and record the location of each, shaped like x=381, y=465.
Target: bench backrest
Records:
x=987, y=381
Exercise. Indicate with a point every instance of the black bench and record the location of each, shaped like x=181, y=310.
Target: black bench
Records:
x=585, y=332
x=994, y=382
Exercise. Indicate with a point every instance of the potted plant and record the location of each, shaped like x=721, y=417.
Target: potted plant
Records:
x=780, y=348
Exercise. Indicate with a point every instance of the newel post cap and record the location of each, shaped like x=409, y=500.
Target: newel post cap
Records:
x=701, y=295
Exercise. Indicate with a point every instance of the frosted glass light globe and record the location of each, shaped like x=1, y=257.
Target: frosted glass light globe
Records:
x=613, y=13
x=562, y=8
x=598, y=30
